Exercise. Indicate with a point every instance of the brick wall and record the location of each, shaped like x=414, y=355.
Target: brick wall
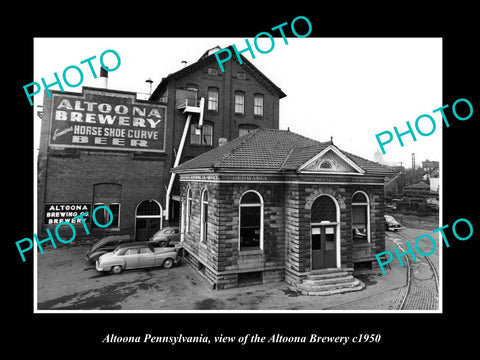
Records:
x=225, y=121
x=72, y=177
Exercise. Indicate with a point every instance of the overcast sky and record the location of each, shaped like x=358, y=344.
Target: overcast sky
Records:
x=348, y=88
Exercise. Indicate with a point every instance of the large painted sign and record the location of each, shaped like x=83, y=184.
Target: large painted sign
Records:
x=98, y=121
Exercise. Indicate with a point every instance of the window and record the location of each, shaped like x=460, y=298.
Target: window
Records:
x=201, y=136
x=192, y=87
x=145, y=250
x=131, y=252
x=258, y=105
x=149, y=207
x=188, y=215
x=360, y=217
x=204, y=216
x=102, y=216
x=148, y=219
x=212, y=71
x=251, y=221
x=241, y=75
x=325, y=165
x=245, y=129
x=212, y=99
x=239, y=102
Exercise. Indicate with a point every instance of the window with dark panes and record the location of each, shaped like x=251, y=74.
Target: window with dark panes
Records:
x=148, y=207
x=201, y=135
x=251, y=224
x=102, y=216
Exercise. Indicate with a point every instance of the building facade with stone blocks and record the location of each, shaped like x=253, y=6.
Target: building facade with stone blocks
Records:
x=274, y=205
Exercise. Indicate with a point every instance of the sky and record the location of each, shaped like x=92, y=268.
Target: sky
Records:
x=347, y=88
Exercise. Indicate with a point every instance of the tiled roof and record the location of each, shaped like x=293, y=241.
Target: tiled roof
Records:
x=269, y=149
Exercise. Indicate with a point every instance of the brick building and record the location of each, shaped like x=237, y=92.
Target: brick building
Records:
x=221, y=105
x=104, y=147
x=275, y=205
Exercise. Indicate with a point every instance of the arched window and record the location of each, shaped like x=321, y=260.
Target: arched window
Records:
x=148, y=219
x=325, y=165
x=360, y=217
x=188, y=214
x=325, y=232
x=251, y=221
x=204, y=216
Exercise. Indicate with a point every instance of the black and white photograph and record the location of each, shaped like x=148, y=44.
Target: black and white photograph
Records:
x=267, y=187
x=225, y=189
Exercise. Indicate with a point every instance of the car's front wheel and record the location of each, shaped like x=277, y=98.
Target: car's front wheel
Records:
x=168, y=263
x=117, y=269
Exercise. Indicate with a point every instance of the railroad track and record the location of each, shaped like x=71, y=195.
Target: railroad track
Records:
x=419, y=293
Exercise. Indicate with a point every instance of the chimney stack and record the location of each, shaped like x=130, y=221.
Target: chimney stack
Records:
x=103, y=81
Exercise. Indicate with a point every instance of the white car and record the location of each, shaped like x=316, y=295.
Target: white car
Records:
x=136, y=255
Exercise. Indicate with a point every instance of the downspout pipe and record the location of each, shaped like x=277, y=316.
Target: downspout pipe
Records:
x=179, y=156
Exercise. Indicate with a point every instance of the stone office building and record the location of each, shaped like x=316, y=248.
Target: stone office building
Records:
x=274, y=205
x=104, y=147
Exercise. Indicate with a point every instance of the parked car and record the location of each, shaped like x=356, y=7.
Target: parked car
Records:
x=136, y=255
x=104, y=245
x=391, y=223
x=167, y=235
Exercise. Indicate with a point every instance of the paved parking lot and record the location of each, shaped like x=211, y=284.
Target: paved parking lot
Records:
x=66, y=281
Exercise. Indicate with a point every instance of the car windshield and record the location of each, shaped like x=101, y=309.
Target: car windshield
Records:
x=118, y=250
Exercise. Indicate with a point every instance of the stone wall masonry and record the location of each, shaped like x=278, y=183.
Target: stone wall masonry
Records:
x=287, y=218
x=299, y=199
x=222, y=253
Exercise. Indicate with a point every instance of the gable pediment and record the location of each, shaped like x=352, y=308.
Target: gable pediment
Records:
x=331, y=160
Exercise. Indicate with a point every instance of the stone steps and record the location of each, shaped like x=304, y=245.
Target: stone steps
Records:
x=329, y=281
x=325, y=281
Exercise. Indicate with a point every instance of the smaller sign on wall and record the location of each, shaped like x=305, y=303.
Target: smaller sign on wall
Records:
x=56, y=213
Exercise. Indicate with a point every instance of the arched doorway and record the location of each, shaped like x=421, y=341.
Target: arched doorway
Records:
x=148, y=219
x=324, y=231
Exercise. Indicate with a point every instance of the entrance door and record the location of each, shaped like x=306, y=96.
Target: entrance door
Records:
x=146, y=228
x=148, y=220
x=324, y=223
x=323, y=246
